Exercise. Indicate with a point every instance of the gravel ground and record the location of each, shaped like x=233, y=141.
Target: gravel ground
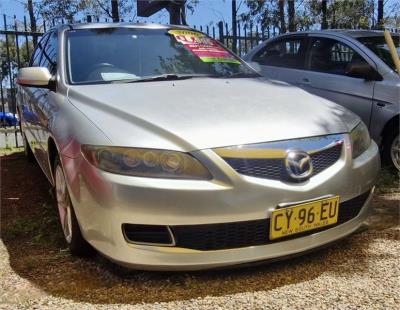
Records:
x=37, y=272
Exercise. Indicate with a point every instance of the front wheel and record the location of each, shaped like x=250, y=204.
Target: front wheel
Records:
x=395, y=152
x=77, y=244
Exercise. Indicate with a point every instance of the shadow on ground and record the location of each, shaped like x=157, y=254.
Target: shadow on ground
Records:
x=37, y=253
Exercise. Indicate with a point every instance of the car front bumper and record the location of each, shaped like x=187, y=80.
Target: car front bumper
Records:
x=104, y=201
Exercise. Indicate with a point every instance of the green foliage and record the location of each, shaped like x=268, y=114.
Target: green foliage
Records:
x=70, y=9
x=42, y=228
x=389, y=181
x=14, y=54
x=340, y=13
x=265, y=12
x=350, y=13
x=103, y=8
x=53, y=9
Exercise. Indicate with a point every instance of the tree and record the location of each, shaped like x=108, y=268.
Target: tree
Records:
x=32, y=20
x=291, y=13
x=324, y=24
x=10, y=60
x=57, y=9
x=282, y=15
x=265, y=12
x=392, y=18
x=349, y=14
x=69, y=9
x=380, y=13
x=114, y=11
x=234, y=26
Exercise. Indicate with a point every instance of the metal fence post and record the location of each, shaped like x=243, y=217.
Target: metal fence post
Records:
x=221, y=32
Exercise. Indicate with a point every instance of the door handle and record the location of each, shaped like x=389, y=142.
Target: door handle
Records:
x=380, y=104
x=304, y=82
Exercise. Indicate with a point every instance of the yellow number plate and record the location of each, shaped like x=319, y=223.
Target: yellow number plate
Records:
x=303, y=217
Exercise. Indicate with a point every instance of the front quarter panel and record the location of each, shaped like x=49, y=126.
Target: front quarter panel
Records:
x=386, y=104
x=70, y=128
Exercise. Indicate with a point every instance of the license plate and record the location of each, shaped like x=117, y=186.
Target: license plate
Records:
x=304, y=217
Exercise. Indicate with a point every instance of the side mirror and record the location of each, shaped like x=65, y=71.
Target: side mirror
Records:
x=363, y=70
x=39, y=77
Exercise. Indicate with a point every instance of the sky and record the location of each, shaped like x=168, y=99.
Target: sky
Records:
x=206, y=12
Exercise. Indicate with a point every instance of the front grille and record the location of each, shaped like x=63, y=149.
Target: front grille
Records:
x=274, y=169
x=325, y=158
x=249, y=233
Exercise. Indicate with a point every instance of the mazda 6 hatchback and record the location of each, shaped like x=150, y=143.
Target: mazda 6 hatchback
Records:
x=168, y=152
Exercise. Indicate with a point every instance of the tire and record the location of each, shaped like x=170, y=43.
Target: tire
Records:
x=391, y=149
x=78, y=246
x=27, y=150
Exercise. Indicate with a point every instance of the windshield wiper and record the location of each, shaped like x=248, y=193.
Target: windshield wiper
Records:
x=162, y=77
x=242, y=75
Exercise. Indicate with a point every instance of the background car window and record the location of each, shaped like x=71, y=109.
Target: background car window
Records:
x=37, y=54
x=331, y=56
x=49, y=57
x=286, y=53
x=379, y=46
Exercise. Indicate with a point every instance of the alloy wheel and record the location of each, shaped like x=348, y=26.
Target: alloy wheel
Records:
x=64, y=204
x=395, y=152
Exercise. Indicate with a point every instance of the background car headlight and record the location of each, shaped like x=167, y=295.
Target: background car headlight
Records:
x=360, y=139
x=145, y=162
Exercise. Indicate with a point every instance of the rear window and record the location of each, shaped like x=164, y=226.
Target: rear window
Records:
x=379, y=46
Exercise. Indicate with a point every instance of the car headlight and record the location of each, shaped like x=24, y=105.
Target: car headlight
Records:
x=145, y=162
x=360, y=139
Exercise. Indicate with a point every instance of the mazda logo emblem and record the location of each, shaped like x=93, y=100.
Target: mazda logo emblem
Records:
x=298, y=164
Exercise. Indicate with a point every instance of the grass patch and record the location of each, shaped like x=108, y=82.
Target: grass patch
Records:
x=11, y=150
x=42, y=228
x=389, y=181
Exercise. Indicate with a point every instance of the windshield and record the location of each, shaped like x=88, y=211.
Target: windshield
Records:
x=134, y=54
x=380, y=48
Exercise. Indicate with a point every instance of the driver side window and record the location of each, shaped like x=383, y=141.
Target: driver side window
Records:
x=287, y=53
x=331, y=56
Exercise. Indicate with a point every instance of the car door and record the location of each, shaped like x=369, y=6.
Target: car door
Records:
x=282, y=59
x=27, y=99
x=325, y=75
x=42, y=102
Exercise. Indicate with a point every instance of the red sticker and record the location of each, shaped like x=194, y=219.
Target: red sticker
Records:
x=207, y=49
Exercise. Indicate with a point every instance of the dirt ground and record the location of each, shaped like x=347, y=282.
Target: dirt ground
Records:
x=37, y=271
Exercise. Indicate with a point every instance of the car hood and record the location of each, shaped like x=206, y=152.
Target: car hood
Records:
x=203, y=113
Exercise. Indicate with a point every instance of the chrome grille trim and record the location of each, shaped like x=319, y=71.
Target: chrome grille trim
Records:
x=266, y=160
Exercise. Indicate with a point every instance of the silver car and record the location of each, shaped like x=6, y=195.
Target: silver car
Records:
x=167, y=152
x=353, y=68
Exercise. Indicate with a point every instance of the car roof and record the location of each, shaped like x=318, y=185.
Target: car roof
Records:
x=353, y=33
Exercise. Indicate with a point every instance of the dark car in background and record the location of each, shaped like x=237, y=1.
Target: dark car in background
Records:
x=351, y=67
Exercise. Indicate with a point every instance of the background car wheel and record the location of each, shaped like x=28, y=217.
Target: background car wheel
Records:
x=27, y=150
x=69, y=224
x=391, y=151
x=395, y=152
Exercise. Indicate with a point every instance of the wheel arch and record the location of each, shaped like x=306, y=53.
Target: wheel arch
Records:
x=52, y=150
x=390, y=125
